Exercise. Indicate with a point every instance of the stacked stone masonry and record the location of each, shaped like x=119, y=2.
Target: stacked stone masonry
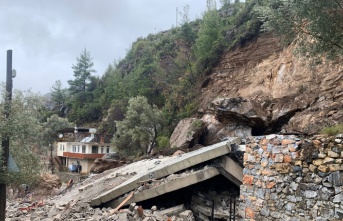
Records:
x=287, y=178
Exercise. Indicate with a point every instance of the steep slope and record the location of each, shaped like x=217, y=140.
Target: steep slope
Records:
x=263, y=88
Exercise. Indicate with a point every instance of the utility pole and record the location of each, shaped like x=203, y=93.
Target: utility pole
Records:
x=5, y=138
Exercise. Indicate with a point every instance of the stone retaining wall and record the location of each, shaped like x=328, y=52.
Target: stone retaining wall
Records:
x=286, y=178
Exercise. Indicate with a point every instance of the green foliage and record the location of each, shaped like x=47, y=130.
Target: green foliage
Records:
x=29, y=165
x=115, y=113
x=82, y=73
x=138, y=132
x=314, y=25
x=84, y=89
x=210, y=42
x=59, y=97
x=114, y=86
x=333, y=130
x=51, y=127
x=246, y=23
x=24, y=129
x=187, y=32
x=162, y=142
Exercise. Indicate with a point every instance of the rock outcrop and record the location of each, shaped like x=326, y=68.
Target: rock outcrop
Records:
x=262, y=89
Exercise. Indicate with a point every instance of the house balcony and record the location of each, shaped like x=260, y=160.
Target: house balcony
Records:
x=83, y=155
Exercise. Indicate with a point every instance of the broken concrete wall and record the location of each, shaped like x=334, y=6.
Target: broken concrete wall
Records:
x=286, y=178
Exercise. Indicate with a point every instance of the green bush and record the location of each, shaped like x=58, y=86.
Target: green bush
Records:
x=333, y=130
x=162, y=142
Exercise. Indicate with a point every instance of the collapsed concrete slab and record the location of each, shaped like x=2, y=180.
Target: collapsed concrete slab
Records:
x=163, y=168
x=166, y=187
x=154, y=188
x=231, y=170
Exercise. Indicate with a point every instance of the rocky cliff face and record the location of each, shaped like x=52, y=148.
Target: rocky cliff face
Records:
x=262, y=88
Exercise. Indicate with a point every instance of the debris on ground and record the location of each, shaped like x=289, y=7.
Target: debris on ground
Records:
x=76, y=211
x=137, y=180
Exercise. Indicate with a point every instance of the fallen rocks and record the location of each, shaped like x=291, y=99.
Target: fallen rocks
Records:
x=82, y=211
x=108, y=161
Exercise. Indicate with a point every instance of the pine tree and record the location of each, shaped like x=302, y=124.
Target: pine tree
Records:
x=83, y=77
x=58, y=97
x=81, y=106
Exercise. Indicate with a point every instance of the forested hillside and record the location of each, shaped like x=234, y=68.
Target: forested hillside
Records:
x=166, y=68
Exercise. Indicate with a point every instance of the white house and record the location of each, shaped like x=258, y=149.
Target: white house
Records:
x=82, y=147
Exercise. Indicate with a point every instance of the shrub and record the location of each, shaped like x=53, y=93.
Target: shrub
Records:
x=162, y=142
x=333, y=130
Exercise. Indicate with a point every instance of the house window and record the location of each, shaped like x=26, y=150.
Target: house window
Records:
x=60, y=146
x=107, y=150
x=74, y=148
x=78, y=148
x=94, y=149
x=102, y=149
x=83, y=148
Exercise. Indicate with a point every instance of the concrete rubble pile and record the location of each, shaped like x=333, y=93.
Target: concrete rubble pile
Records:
x=125, y=187
x=48, y=211
x=82, y=211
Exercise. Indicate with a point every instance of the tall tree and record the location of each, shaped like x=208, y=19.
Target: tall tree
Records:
x=81, y=105
x=185, y=56
x=209, y=44
x=315, y=25
x=51, y=127
x=59, y=97
x=82, y=76
x=138, y=132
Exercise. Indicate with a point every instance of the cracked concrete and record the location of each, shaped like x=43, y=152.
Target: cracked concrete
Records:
x=166, y=167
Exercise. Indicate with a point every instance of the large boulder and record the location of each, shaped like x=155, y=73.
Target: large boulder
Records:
x=239, y=109
x=108, y=161
x=217, y=131
x=188, y=133
x=50, y=181
x=234, y=117
x=49, y=185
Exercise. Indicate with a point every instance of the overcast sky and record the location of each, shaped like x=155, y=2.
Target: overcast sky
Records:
x=47, y=36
